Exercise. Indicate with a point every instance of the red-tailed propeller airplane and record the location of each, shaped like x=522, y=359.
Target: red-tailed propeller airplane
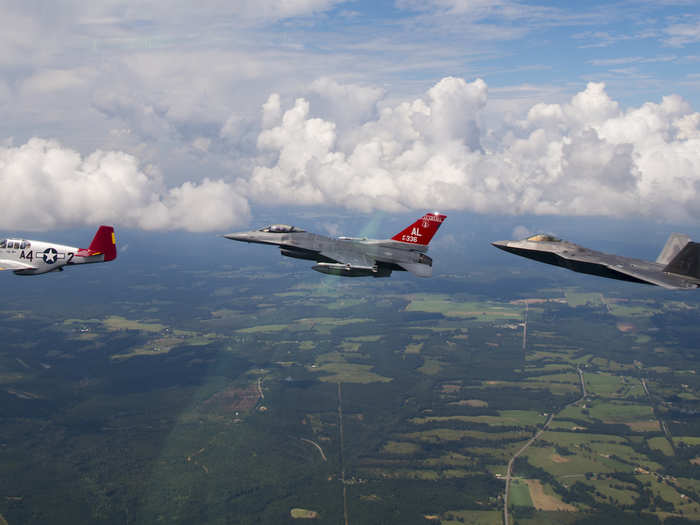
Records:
x=25, y=257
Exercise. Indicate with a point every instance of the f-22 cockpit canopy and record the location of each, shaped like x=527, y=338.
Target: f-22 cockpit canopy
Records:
x=280, y=228
x=543, y=237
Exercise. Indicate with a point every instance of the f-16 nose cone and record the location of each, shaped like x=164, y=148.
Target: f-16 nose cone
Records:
x=238, y=236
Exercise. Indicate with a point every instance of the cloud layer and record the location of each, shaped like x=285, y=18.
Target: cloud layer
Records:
x=584, y=157
x=444, y=150
x=46, y=185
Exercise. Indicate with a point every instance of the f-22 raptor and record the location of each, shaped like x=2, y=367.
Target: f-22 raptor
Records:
x=677, y=267
x=354, y=256
x=26, y=257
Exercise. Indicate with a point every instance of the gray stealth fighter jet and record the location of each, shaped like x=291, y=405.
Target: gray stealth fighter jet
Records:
x=354, y=256
x=677, y=266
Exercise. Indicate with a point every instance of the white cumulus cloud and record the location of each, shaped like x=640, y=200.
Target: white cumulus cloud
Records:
x=346, y=104
x=47, y=185
x=584, y=157
x=445, y=150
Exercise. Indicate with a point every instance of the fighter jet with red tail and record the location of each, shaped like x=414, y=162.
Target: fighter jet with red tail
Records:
x=354, y=256
x=25, y=257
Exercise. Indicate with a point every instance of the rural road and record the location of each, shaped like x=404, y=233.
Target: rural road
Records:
x=318, y=447
x=509, y=470
x=342, y=458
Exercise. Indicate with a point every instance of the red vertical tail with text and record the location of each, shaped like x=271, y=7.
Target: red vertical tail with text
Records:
x=104, y=242
x=421, y=231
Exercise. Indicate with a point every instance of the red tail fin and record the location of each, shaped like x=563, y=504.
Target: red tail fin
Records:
x=104, y=242
x=421, y=231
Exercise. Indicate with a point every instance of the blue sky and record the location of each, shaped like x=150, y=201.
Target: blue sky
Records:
x=165, y=116
x=642, y=50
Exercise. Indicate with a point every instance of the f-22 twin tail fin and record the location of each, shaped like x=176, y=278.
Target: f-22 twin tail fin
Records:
x=687, y=262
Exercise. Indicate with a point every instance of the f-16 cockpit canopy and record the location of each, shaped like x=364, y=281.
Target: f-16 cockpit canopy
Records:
x=543, y=237
x=280, y=228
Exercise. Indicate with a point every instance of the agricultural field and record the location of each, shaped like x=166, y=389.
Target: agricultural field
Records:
x=288, y=398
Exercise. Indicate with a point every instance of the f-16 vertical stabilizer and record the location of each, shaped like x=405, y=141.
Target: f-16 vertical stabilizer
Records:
x=421, y=231
x=104, y=242
x=687, y=262
x=673, y=246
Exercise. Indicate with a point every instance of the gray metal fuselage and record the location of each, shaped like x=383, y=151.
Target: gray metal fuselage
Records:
x=369, y=256
x=583, y=260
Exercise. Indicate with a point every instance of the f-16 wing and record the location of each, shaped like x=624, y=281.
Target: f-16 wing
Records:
x=349, y=262
x=353, y=262
x=6, y=264
x=348, y=256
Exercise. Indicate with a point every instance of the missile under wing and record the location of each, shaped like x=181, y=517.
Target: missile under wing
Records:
x=25, y=257
x=354, y=256
x=676, y=268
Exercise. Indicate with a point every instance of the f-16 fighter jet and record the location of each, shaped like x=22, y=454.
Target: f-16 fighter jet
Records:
x=354, y=256
x=677, y=267
x=34, y=257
